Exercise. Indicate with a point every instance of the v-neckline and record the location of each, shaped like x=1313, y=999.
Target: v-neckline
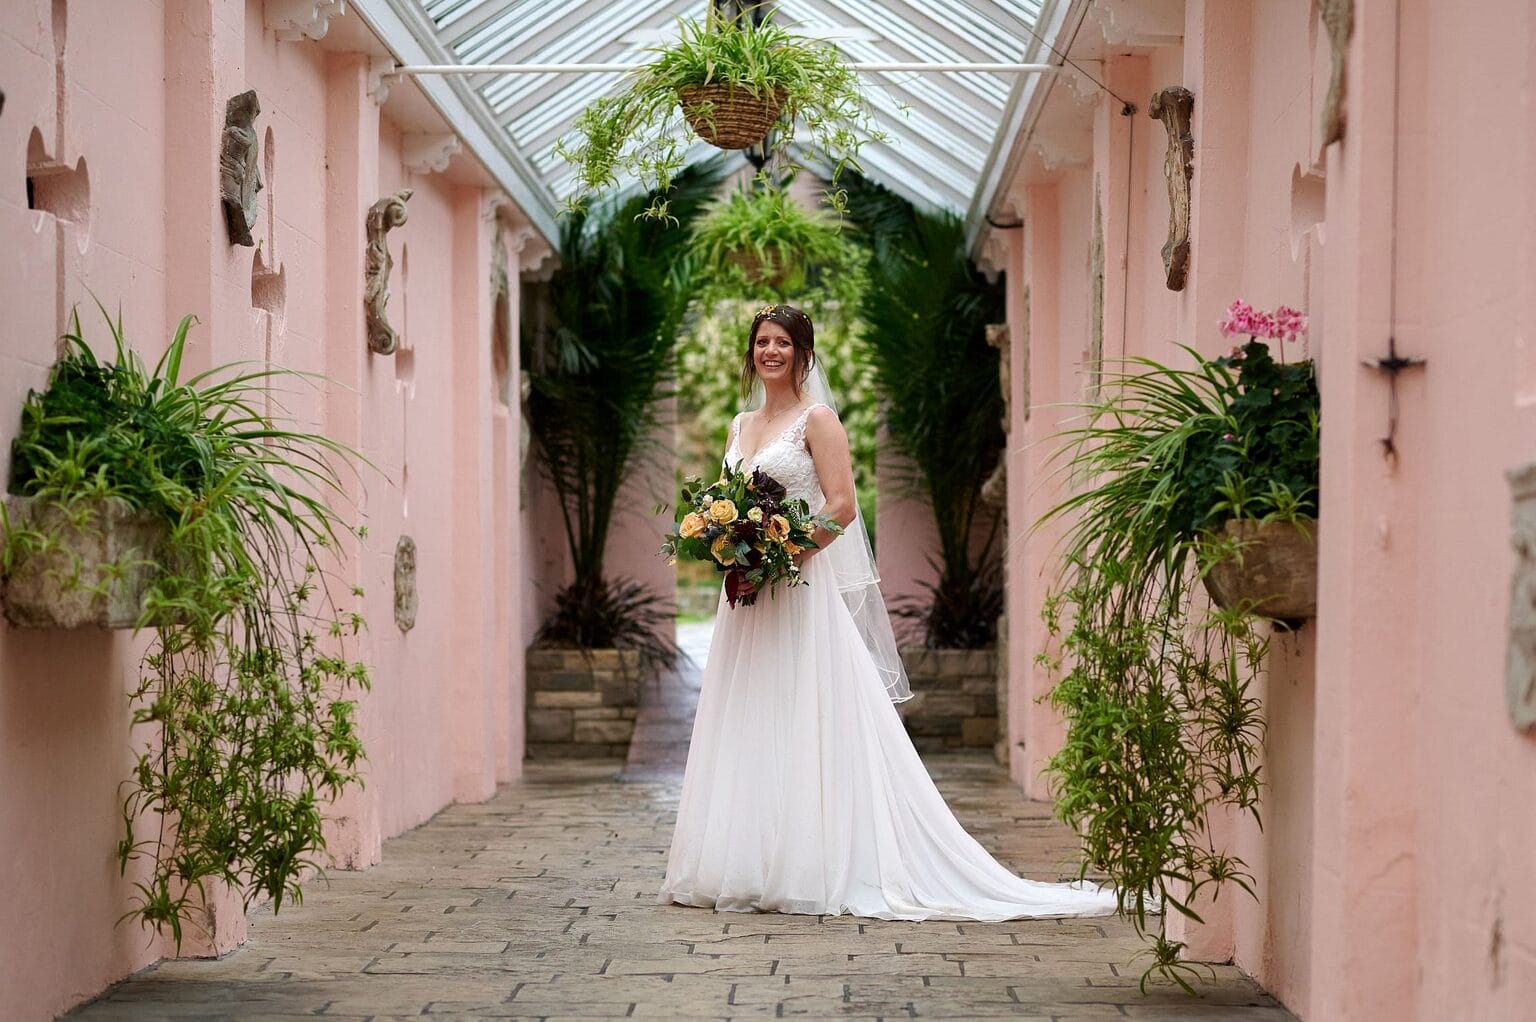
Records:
x=771, y=440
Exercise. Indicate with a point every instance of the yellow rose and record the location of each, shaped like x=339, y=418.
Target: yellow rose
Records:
x=722, y=512
x=755, y=514
x=724, y=550
x=778, y=528
x=793, y=548
x=693, y=525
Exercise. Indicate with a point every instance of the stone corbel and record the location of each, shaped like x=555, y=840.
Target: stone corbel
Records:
x=1149, y=23
x=428, y=152
x=293, y=20
x=1338, y=19
x=389, y=212
x=535, y=260
x=381, y=77
x=1173, y=106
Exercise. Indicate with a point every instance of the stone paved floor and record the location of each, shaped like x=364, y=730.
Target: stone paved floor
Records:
x=540, y=904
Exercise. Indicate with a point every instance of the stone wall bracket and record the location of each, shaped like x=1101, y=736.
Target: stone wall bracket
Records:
x=389, y=212
x=1173, y=106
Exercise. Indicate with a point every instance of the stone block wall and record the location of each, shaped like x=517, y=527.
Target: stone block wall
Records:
x=954, y=698
x=581, y=702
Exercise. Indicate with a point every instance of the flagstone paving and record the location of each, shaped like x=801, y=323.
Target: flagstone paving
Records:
x=540, y=904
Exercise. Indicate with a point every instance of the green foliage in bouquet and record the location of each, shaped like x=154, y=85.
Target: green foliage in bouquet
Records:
x=1164, y=733
x=245, y=683
x=925, y=312
x=640, y=131
x=748, y=527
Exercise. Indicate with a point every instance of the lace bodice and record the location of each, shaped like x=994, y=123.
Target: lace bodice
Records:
x=785, y=457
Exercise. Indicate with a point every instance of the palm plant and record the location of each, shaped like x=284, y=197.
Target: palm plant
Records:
x=617, y=304
x=925, y=311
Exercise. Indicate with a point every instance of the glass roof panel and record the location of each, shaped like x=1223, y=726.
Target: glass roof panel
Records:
x=943, y=126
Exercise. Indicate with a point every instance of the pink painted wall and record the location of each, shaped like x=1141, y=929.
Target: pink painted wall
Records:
x=444, y=719
x=1400, y=808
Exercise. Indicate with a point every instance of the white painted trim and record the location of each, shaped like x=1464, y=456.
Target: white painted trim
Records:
x=403, y=28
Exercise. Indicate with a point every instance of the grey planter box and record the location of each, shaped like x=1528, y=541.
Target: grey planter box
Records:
x=94, y=568
x=582, y=703
x=954, y=698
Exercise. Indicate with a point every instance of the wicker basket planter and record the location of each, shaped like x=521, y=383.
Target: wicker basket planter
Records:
x=1277, y=574
x=582, y=703
x=727, y=117
x=96, y=570
x=767, y=272
x=954, y=698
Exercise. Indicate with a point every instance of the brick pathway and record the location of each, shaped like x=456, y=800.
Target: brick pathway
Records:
x=540, y=905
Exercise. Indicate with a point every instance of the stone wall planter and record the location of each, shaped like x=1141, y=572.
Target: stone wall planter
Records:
x=581, y=702
x=95, y=570
x=954, y=698
x=1278, y=571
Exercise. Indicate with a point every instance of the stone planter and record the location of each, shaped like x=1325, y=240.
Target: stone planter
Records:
x=581, y=702
x=954, y=698
x=99, y=562
x=1276, y=575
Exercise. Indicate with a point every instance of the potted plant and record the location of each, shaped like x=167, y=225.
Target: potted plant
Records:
x=1163, y=731
x=731, y=82
x=244, y=685
x=598, y=371
x=1266, y=503
x=925, y=310
x=760, y=238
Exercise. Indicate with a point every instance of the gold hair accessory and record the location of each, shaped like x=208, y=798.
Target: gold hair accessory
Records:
x=766, y=310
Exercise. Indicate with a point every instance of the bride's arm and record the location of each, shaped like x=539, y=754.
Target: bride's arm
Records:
x=828, y=443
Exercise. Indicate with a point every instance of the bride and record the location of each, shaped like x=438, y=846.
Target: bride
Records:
x=802, y=792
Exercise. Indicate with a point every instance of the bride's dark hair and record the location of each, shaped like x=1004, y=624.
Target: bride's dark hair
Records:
x=801, y=334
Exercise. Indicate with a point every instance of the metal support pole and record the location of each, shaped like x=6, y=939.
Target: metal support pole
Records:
x=541, y=69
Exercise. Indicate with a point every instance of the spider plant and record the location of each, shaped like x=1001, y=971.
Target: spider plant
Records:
x=925, y=311
x=1163, y=731
x=618, y=302
x=640, y=133
x=244, y=684
x=761, y=238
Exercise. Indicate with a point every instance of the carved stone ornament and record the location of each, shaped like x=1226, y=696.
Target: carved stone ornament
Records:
x=239, y=174
x=997, y=337
x=1173, y=107
x=1520, y=663
x=405, y=583
x=1339, y=21
x=383, y=215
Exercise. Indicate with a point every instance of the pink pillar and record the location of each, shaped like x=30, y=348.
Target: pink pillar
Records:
x=473, y=713
x=352, y=144
x=1365, y=869
x=1035, y=730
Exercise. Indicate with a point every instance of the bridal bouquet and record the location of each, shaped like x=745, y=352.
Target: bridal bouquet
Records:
x=747, y=526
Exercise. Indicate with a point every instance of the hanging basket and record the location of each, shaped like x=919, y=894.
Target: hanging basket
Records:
x=728, y=117
x=768, y=272
x=1276, y=574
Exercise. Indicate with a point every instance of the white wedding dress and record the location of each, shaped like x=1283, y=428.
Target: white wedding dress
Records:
x=802, y=792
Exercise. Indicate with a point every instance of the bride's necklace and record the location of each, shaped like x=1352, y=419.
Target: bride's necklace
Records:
x=768, y=422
